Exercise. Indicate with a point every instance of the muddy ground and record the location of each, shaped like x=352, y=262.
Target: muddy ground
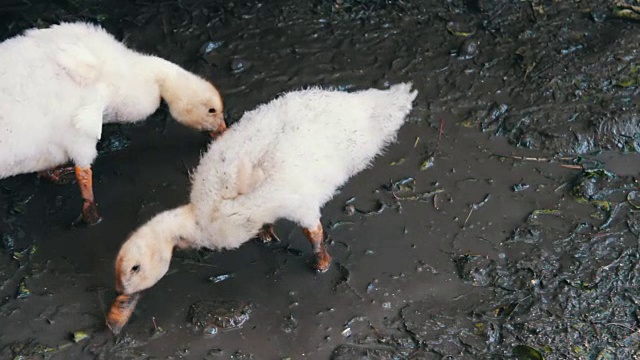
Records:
x=516, y=239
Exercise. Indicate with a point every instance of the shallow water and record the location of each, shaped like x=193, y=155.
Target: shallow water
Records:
x=471, y=272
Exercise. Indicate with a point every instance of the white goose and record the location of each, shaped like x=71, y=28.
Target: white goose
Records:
x=59, y=85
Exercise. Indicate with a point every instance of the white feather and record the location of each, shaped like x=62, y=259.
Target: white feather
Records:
x=88, y=120
x=79, y=63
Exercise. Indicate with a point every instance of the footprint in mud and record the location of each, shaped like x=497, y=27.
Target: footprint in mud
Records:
x=211, y=316
x=475, y=270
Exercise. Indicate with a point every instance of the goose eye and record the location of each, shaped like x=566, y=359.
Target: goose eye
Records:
x=212, y=111
x=135, y=268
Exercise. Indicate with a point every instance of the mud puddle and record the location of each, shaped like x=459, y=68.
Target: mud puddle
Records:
x=455, y=244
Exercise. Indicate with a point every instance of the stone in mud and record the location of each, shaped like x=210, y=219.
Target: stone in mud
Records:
x=209, y=46
x=210, y=316
x=469, y=49
x=349, y=209
x=238, y=65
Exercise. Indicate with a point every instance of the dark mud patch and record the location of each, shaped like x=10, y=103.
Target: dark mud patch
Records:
x=564, y=295
x=567, y=78
x=441, y=250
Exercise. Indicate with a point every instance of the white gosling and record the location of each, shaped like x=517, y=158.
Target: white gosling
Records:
x=285, y=159
x=59, y=85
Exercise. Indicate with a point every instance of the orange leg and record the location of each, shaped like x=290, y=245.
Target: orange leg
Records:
x=267, y=234
x=90, y=214
x=59, y=175
x=322, y=258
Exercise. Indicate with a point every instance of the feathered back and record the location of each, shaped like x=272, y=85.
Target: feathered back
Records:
x=287, y=157
x=394, y=105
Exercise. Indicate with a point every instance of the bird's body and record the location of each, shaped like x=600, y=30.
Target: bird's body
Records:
x=59, y=85
x=287, y=158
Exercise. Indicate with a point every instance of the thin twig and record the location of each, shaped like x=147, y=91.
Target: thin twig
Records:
x=476, y=206
x=532, y=158
x=440, y=131
x=561, y=186
x=468, y=216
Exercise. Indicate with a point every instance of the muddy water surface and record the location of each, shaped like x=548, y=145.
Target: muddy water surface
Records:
x=482, y=254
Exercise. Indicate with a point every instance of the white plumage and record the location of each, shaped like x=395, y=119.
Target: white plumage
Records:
x=59, y=85
x=288, y=157
x=285, y=159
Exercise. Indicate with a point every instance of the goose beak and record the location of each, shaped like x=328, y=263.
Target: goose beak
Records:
x=217, y=132
x=121, y=311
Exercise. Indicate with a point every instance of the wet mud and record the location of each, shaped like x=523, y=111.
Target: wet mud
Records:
x=504, y=224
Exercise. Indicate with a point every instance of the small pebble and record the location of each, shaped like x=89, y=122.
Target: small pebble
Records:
x=469, y=49
x=210, y=46
x=349, y=210
x=222, y=277
x=210, y=331
x=238, y=65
